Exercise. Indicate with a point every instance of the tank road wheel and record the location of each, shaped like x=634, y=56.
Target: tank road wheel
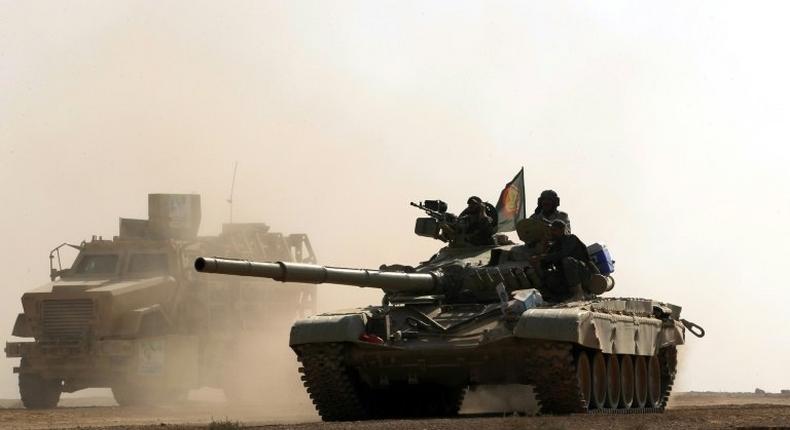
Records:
x=654, y=392
x=640, y=382
x=599, y=381
x=612, y=381
x=626, y=381
x=584, y=376
x=37, y=392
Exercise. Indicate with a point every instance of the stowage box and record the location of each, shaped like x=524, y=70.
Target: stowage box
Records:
x=600, y=255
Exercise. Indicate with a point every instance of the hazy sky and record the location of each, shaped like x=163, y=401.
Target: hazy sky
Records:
x=663, y=126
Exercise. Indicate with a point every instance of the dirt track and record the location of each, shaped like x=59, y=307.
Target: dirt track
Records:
x=688, y=411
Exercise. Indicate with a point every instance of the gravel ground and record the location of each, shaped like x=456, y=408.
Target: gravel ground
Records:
x=688, y=411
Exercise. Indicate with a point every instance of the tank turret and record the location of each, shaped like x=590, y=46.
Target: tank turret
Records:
x=454, y=275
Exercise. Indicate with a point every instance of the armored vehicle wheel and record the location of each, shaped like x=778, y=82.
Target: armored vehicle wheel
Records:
x=37, y=392
x=612, y=381
x=640, y=382
x=599, y=381
x=584, y=376
x=654, y=391
x=626, y=381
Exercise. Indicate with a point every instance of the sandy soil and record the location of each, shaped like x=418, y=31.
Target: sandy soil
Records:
x=687, y=411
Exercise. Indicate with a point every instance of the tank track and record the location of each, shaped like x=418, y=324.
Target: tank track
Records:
x=340, y=395
x=554, y=373
x=669, y=364
x=335, y=392
x=557, y=389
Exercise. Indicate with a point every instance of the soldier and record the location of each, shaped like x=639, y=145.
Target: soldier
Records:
x=479, y=226
x=569, y=256
x=547, y=209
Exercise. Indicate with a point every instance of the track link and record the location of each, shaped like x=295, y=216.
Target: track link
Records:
x=556, y=386
x=334, y=390
x=669, y=361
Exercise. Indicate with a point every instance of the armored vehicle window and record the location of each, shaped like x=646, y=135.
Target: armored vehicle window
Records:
x=97, y=264
x=139, y=263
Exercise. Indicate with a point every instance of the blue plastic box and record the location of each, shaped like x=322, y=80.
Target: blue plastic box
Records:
x=601, y=257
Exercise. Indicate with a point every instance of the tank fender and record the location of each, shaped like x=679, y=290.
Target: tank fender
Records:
x=610, y=333
x=564, y=325
x=672, y=334
x=328, y=328
x=132, y=322
x=22, y=327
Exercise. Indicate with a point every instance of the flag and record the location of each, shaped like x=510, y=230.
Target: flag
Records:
x=511, y=207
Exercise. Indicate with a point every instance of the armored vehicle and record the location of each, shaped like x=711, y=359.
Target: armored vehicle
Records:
x=473, y=315
x=131, y=313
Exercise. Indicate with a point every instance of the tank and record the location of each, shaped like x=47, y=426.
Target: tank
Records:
x=477, y=315
x=131, y=313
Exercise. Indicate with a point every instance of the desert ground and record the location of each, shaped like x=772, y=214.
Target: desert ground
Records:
x=686, y=411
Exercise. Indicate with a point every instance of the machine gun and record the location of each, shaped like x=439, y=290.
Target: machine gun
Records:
x=457, y=230
x=439, y=224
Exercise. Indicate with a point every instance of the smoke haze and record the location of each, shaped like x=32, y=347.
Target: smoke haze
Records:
x=662, y=127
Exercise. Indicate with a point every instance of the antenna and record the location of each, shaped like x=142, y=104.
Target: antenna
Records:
x=232, y=185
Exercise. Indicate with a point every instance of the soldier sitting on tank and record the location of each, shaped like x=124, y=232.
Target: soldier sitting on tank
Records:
x=535, y=235
x=477, y=222
x=566, y=265
x=547, y=209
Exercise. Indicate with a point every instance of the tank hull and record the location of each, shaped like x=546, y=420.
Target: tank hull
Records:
x=559, y=349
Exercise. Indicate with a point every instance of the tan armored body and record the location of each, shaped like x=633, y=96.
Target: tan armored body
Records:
x=132, y=314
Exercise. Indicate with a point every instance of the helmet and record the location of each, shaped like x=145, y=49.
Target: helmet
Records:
x=474, y=200
x=547, y=194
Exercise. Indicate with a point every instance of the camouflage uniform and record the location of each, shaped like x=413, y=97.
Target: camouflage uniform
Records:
x=556, y=215
x=569, y=255
x=478, y=225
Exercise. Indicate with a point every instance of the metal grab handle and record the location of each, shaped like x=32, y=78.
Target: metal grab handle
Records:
x=695, y=329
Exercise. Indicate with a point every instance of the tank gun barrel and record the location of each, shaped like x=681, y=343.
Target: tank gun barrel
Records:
x=420, y=283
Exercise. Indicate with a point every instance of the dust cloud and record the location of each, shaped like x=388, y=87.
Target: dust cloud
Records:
x=660, y=126
x=266, y=383
x=504, y=399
